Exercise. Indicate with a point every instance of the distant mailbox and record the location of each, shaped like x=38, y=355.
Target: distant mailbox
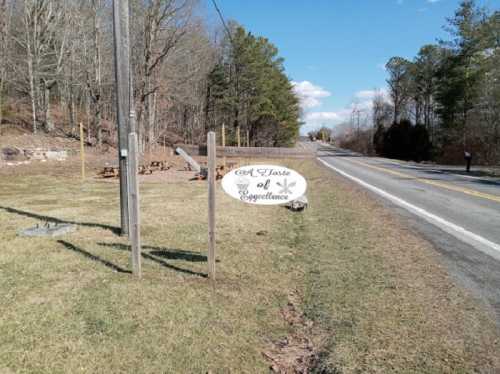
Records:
x=264, y=184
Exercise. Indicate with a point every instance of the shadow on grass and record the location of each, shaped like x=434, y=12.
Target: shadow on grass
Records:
x=93, y=257
x=113, y=229
x=170, y=254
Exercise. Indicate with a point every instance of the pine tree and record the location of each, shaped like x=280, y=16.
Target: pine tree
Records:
x=250, y=88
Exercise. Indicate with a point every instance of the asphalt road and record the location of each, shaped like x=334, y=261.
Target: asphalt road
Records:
x=458, y=213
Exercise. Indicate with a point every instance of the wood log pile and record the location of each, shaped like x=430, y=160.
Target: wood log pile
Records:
x=158, y=166
x=110, y=172
x=154, y=166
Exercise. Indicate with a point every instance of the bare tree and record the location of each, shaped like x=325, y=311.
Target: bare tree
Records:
x=398, y=82
x=381, y=110
x=93, y=67
x=41, y=46
x=5, y=18
x=60, y=62
x=164, y=24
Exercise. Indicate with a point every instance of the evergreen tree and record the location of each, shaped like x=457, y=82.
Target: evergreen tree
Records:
x=250, y=89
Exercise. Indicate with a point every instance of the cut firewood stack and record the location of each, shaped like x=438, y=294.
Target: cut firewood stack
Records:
x=114, y=171
x=159, y=166
x=110, y=172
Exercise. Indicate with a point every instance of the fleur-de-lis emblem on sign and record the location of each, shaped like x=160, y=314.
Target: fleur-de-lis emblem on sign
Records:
x=286, y=187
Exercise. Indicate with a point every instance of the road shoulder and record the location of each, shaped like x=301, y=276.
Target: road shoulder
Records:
x=382, y=291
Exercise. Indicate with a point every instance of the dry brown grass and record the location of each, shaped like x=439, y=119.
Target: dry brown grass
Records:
x=69, y=305
x=381, y=291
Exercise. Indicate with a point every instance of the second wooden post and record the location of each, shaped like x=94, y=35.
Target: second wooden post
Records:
x=212, y=162
x=133, y=204
x=82, y=151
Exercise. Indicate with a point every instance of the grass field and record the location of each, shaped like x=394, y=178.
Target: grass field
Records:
x=376, y=294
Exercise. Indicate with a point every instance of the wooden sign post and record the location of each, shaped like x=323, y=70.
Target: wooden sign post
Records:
x=82, y=151
x=133, y=204
x=212, y=162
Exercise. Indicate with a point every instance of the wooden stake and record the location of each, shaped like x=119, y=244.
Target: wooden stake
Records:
x=238, y=136
x=224, y=142
x=211, y=203
x=133, y=203
x=223, y=134
x=82, y=150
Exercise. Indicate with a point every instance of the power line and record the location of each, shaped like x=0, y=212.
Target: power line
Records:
x=223, y=21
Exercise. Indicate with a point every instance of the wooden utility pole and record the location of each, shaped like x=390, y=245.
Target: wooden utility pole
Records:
x=82, y=151
x=122, y=77
x=211, y=203
x=127, y=136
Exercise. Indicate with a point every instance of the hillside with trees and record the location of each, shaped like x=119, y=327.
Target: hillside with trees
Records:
x=189, y=77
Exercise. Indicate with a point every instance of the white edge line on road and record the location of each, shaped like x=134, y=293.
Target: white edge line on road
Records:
x=447, y=226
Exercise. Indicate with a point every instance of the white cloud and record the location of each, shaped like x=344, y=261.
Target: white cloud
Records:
x=309, y=94
x=311, y=97
x=317, y=119
x=362, y=101
x=366, y=94
x=323, y=116
x=369, y=94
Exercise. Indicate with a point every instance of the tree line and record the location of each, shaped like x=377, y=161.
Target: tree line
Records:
x=446, y=100
x=189, y=78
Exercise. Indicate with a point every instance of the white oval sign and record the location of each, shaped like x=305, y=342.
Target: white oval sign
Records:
x=264, y=184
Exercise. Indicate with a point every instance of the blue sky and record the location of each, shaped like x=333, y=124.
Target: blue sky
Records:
x=335, y=49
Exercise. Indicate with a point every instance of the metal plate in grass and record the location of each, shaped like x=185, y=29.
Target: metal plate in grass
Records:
x=49, y=229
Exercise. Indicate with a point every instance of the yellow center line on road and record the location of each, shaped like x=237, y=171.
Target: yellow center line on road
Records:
x=447, y=186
